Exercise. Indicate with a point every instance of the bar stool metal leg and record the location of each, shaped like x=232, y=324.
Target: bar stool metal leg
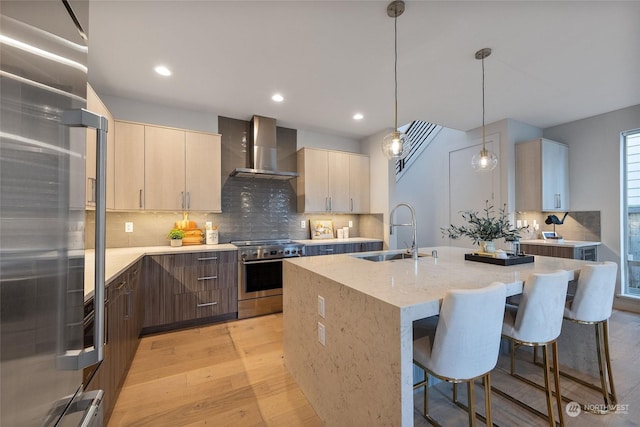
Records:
x=472, y=403
x=556, y=380
x=607, y=387
x=487, y=401
x=547, y=385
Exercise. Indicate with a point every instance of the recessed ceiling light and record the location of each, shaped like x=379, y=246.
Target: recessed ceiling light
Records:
x=358, y=116
x=162, y=70
x=277, y=97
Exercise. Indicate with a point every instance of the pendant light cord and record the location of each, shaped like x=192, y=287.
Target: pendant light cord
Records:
x=395, y=69
x=483, y=144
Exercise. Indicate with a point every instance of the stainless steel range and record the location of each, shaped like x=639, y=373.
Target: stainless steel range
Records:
x=260, y=274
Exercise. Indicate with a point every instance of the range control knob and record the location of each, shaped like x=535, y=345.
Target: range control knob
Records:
x=287, y=252
x=255, y=254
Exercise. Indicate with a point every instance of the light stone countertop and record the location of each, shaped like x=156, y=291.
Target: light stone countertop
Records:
x=117, y=260
x=363, y=374
x=564, y=243
x=421, y=285
x=312, y=242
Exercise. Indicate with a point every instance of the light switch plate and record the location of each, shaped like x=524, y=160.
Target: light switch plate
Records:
x=321, y=334
x=321, y=306
x=350, y=224
x=128, y=227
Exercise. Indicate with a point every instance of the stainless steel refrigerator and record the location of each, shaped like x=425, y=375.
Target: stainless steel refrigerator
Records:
x=43, y=81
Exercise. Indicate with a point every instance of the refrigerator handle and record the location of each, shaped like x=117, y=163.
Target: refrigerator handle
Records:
x=79, y=359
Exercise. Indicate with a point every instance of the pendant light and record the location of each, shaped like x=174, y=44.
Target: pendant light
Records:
x=485, y=161
x=395, y=145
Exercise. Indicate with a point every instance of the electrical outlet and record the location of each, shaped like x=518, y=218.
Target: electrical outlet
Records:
x=321, y=306
x=350, y=224
x=128, y=227
x=321, y=334
x=303, y=224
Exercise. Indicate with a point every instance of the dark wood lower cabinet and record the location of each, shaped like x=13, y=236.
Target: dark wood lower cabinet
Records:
x=342, y=248
x=123, y=322
x=190, y=289
x=585, y=253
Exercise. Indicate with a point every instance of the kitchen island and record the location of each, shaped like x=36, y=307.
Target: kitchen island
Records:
x=363, y=374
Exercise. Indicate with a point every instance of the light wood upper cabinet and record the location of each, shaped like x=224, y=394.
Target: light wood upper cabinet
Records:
x=129, y=166
x=203, y=171
x=161, y=168
x=338, y=181
x=332, y=181
x=164, y=166
x=313, y=182
x=359, y=184
x=542, y=176
x=94, y=104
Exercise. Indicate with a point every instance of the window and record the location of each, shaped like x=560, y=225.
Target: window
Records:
x=631, y=213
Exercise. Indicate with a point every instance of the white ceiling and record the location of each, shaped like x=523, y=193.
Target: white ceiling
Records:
x=552, y=62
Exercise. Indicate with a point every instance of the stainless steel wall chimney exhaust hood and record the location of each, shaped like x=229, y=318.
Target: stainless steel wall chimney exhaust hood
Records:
x=262, y=152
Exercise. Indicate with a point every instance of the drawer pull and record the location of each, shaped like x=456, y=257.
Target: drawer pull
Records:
x=207, y=278
x=211, y=258
x=121, y=285
x=207, y=304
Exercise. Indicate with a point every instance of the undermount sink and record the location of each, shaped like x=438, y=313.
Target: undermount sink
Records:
x=386, y=256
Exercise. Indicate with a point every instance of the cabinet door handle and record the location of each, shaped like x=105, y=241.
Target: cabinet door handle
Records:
x=188, y=200
x=140, y=199
x=351, y=201
x=121, y=285
x=330, y=207
x=182, y=199
x=327, y=250
x=326, y=203
x=207, y=304
x=558, y=204
x=211, y=258
x=129, y=305
x=208, y=278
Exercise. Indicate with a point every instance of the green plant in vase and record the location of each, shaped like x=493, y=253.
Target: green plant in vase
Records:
x=175, y=236
x=484, y=228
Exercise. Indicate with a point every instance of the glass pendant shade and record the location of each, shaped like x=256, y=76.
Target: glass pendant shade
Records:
x=484, y=161
x=395, y=146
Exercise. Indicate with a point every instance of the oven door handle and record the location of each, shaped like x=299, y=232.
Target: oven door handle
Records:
x=262, y=261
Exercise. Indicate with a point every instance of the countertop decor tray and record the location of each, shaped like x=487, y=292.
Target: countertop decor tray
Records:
x=511, y=260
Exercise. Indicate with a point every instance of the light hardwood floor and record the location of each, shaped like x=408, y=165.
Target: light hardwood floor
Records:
x=232, y=374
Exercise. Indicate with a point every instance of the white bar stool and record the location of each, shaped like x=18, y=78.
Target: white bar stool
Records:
x=592, y=305
x=464, y=343
x=537, y=321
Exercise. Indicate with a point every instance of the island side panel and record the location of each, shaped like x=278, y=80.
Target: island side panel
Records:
x=356, y=378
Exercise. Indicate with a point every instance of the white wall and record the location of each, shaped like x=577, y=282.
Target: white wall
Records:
x=594, y=171
x=136, y=111
x=307, y=138
x=425, y=184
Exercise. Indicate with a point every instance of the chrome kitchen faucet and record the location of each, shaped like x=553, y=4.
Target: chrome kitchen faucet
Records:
x=414, y=247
